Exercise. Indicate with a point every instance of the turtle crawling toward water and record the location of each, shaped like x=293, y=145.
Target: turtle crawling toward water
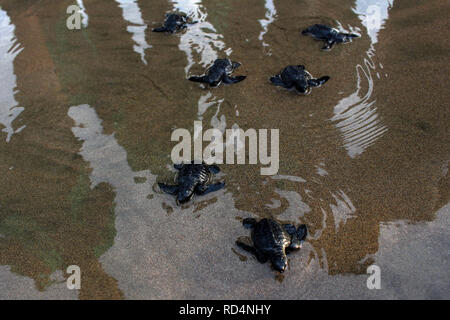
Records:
x=192, y=179
x=272, y=241
x=329, y=35
x=174, y=22
x=219, y=72
x=297, y=77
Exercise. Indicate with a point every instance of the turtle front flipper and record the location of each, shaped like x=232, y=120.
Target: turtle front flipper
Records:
x=203, y=79
x=205, y=189
x=259, y=256
x=213, y=169
x=318, y=82
x=276, y=80
x=230, y=80
x=170, y=189
x=328, y=45
x=350, y=36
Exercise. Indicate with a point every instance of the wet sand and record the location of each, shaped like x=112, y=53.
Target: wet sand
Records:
x=363, y=159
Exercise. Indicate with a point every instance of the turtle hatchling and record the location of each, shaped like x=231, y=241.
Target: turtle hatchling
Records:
x=192, y=179
x=329, y=35
x=174, y=22
x=219, y=72
x=272, y=241
x=296, y=77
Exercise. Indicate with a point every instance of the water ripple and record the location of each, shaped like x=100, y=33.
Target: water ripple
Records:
x=357, y=119
x=356, y=115
x=271, y=13
x=200, y=38
x=9, y=49
x=132, y=14
x=84, y=16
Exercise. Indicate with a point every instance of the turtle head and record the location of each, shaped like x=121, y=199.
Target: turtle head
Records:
x=301, y=87
x=235, y=65
x=346, y=37
x=279, y=262
x=184, y=195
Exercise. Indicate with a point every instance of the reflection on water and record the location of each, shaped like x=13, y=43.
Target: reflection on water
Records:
x=84, y=16
x=373, y=14
x=356, y=115
x=107, y=158
x=342, y=210
x=9, y=49
x=271, y=12
x=132, y=14
x=200, y=38
x=205, y=102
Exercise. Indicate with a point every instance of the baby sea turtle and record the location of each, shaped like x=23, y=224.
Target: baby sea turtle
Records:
x=297, y=77
x=192, y=179
x=272, y=241
x=329, y=35
x=219, y=72
x=173, y=23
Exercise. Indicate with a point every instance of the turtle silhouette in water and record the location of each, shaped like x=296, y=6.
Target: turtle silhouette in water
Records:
x=192, y=179
x=297, y=77
x=272, y=241
x=219, y=72
x=329, y=35
x=174, y=22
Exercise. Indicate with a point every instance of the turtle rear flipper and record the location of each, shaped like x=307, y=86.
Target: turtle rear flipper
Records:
x=248, y=223
x=302, y=232
x=205, y=189
x=306, y=32
x=160, y=29
x=170, y=189
x=260, y=257
x=318, y=82
x=290, y=229
x=230, y=80
x=329, y=44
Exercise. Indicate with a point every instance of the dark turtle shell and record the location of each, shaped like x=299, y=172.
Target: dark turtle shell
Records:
x=192, y=179
x=219, y=72
x=272, y=241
